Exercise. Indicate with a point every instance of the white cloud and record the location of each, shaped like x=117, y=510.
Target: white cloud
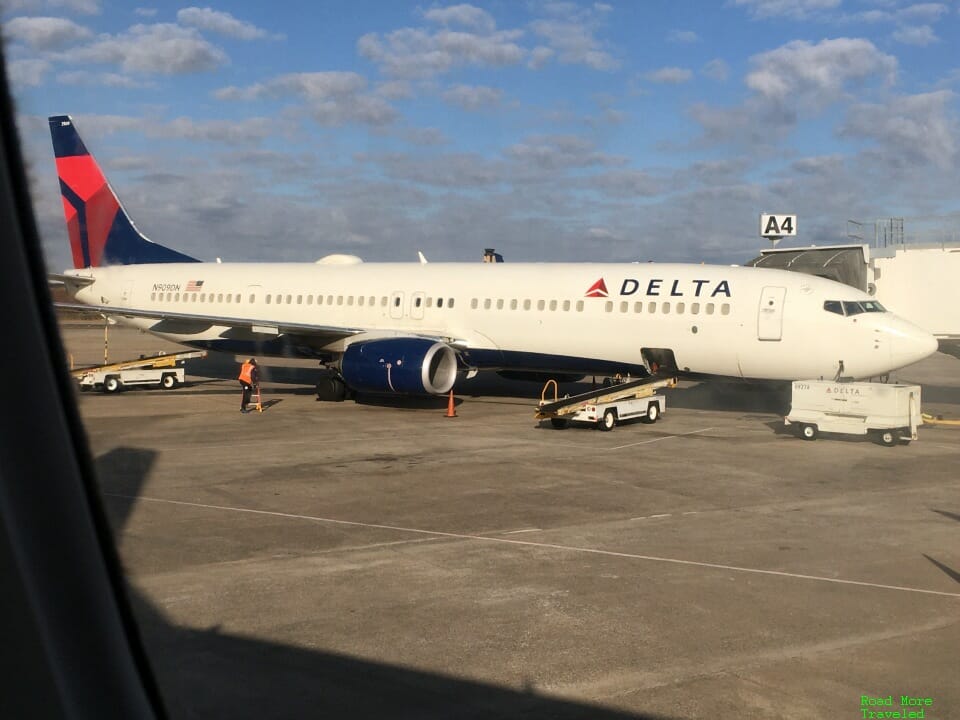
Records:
x=332, y=98
x=559, y=151
x=417, y=53
x=922, y=13
x=915, y=35
x=164, y=49
x=463, y=15
x=145, y=12
x=539, y=57
x=83, y=7
x=44, y=33
x=473, y=97
x=716, y=69
x=796, y=9
x=219, y=22
x=115, y=80
x=669, y=75
x=27, y=73
x=799, y=72
x=571, y=32
x=917, y=128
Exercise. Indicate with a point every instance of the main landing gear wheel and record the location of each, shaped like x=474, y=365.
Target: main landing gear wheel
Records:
x=608, y=421
x=331, y=389
x=809, y=432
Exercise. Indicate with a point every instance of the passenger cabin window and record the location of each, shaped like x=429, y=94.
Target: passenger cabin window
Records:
x=579, y=305
x=450, y=303
x=473, y=304
x=725, y=309
x=439, y=302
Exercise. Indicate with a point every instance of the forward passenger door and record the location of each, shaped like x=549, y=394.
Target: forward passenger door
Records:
x=770, y=313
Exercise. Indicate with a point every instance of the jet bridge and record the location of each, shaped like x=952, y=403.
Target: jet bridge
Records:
x=848, y=264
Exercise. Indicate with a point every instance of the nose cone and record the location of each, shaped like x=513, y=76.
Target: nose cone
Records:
x=909, y=343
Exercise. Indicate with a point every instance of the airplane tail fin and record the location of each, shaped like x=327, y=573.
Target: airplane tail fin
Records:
x=101, y=232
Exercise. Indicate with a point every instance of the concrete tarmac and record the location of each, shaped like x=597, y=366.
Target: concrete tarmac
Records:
x=369, y=560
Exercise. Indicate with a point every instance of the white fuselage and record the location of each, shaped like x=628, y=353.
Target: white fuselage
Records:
x=717, y=320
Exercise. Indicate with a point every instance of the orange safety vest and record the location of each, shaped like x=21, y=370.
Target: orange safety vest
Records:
x=246, y=373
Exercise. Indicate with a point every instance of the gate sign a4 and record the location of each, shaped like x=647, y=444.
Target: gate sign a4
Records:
x=776, y=226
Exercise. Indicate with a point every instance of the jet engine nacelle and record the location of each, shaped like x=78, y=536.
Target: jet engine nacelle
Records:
x=400, y=365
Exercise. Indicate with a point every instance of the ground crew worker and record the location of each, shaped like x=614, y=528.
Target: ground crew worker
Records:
x=249, y=377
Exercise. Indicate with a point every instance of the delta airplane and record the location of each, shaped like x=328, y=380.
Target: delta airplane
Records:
x=417, y=327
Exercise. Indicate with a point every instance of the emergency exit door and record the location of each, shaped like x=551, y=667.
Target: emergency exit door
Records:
x=770, y=315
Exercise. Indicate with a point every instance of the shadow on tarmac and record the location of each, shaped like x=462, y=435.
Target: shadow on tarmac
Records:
x=207, y=673
x=708, y=395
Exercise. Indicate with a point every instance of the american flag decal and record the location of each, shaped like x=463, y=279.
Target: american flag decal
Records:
x=195, y=286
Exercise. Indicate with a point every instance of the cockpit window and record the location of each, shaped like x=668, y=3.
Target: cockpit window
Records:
x=852, y=307
x=860, y=306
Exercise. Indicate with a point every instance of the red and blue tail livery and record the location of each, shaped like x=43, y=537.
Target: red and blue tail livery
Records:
x=101, y=232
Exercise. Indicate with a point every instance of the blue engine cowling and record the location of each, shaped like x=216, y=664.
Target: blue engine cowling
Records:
x=401, y=365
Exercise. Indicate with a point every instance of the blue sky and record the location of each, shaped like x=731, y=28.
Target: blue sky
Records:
x=610, y=131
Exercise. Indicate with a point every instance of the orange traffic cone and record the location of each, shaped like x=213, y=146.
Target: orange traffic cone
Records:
x=451, y=409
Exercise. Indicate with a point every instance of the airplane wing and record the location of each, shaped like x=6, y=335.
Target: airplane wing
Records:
x=75, y=280
x=187, y=322
x=200, y=322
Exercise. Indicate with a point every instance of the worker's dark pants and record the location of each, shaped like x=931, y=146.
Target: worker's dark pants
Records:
x=245, y=398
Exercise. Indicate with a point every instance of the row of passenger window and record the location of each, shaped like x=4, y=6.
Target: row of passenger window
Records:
x=419, y=301
x=637, y=307
x=281, y=299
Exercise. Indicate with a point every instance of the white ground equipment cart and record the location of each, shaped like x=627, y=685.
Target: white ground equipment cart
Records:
x=158, y=371
x=607, y=406
x=889, y=412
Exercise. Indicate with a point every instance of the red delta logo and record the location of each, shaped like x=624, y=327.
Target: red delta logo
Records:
x=598, y=289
